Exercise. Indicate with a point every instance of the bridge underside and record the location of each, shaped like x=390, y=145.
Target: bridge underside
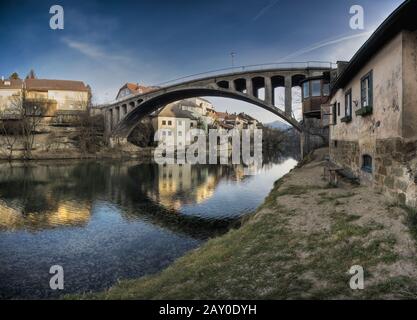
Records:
x=123, y=116
x=125, y=127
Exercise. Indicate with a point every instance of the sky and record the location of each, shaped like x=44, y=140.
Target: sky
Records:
x=108, y=43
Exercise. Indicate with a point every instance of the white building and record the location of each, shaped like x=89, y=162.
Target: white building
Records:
x=173, y=124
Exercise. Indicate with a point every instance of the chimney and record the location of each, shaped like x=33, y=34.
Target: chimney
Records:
x=341, y=66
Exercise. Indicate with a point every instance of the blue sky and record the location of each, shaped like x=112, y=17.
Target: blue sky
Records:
x=107, y=43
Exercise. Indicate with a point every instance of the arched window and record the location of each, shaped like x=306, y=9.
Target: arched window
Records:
x=367, y=163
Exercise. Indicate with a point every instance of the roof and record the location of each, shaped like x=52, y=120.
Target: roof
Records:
x=232, y=117
x=137, y=88
x=174, y=111
x=403, y=18
x=47, y=84
x=14, y=84
x=226, y=126
x=222, y=114
x=246, y=116
x=44, y=84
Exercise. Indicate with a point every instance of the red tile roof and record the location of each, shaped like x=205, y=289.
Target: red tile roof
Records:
x=12, y=84
x=47, y=84
x=44, y=85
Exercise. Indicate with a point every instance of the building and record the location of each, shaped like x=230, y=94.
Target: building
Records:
x=221, y=116
x=51, y=96
x=133, y=88
x=174, y=123
x=10, y=90
x=229, y=121
x=373, y=109
x=249, y=122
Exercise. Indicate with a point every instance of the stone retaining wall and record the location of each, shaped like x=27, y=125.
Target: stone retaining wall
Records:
x=394, y=169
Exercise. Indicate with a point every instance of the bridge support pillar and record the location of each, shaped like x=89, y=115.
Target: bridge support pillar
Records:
x=116, y=116
x=249, y=87
x=313, y=136
x=107, y=122
x=288, y=95
x=268, y=91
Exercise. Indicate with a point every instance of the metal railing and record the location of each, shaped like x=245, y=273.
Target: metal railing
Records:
x=248, y=68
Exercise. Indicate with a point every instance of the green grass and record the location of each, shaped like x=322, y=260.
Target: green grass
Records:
x=325, y=197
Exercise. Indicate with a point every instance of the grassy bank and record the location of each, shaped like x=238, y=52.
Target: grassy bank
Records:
x=300, y=243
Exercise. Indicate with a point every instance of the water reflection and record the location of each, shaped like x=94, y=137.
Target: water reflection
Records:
x=44, y=195
x=114, y=219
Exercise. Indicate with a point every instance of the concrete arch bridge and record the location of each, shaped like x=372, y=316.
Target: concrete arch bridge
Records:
x=242, y=83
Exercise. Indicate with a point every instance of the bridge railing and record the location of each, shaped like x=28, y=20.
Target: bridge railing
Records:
x=248, y=68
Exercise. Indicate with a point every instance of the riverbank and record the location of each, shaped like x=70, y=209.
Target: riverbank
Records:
x=300, y=244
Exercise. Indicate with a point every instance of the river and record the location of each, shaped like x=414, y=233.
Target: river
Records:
x=106, y=220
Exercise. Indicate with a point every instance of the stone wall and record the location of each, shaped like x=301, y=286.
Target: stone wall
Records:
x=394, y=171
x=346, y=154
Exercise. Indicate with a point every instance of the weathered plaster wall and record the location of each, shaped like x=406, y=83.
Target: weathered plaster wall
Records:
x=389, y=134
x=385, y=122
x=410, y=84
x=7, y=97
x=69, y=100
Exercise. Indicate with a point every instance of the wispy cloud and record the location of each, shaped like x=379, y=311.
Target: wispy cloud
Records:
x=325, y=43
x=265, y=9
x=94, y=51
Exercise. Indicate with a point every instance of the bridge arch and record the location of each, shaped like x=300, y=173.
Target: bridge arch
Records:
x=129, y=122
x=246, y=84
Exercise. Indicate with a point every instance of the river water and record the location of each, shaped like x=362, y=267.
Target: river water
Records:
x=104, y=221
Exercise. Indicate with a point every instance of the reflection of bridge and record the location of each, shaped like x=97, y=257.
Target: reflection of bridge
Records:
x=243, y=83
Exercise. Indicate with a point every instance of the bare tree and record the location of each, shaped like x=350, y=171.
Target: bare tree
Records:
x=90, y=126
x=10, y=131
x=19, y=121
x=31, y=117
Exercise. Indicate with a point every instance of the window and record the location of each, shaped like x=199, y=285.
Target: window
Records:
x=179, y=122
x=348, y=104
x=338, y=109
x=164, y=133
x=179, y=133
x=170, y=123
x=366, y=90
x=316, y=88
x=170, y=133
x=334, y=113
x=367, y=163
x=326, y=89
x=191, y=124
x=164, y=122
x=306, y=89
